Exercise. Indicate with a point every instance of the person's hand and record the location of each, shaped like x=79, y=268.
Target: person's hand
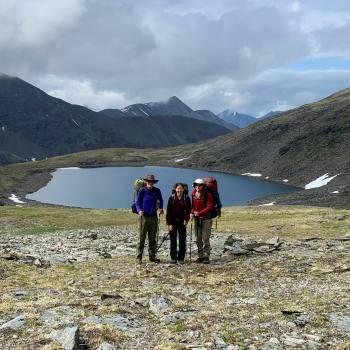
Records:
x=141, y=212
x=196, y=213
x=170, y=227
x=185, y=222
x=161, y=211
x=191, y=216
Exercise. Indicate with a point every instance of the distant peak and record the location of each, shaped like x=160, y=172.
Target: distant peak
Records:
x=6, y=76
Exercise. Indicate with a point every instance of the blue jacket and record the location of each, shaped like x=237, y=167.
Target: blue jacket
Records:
x=147, y=201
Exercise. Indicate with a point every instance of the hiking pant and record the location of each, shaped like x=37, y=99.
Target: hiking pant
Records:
x=181, y=231
x=148, y=225
x=202, y=229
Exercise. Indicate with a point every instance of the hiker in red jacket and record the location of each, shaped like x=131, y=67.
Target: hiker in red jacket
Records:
x=202, y=205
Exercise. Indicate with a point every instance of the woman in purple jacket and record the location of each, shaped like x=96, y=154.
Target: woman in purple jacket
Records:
x=177, y=217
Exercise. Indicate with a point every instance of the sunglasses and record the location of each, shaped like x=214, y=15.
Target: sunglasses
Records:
x=198, y=184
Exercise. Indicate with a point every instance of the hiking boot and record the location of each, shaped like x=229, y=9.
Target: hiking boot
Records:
x=155, y=260
x=206, y=261
x=199, y=260
x=173, y=261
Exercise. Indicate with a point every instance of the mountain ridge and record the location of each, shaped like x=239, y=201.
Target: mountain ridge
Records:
x=34, y=124
x=173, y=106
x=297, y=146
x=239, y=119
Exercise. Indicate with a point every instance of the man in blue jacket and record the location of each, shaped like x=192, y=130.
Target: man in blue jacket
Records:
x=149, y=201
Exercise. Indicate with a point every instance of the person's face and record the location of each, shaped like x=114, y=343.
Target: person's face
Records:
x=149, y=184
x=199, y=187
x=179, y=191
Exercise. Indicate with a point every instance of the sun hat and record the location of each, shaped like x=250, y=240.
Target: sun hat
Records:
x=198, y=182
x=150, y=178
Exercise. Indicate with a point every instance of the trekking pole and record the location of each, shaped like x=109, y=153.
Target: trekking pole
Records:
x=165, y=237
x=157, y=235
x=191, y=244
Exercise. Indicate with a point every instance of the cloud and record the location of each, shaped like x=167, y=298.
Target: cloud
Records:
x=34, y=23
x=82, y=92
x=206, y=52
x=274, y=89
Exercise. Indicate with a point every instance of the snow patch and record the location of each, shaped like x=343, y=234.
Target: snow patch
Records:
x=335, y=192
x=320, y=181
x=33, y=159
x=252, y=174
x=143, y=111
x=267, y=204
x=75, y=122
x=3, y=128
x=181, y=159
x=267, y=177
x=69, y=168
x=15, y=199
x=285, y=180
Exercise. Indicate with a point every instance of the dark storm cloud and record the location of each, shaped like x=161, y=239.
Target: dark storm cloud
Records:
x=211, y=54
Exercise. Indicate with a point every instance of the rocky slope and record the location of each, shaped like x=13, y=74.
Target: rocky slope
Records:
x=298, y=146
x=81, y=289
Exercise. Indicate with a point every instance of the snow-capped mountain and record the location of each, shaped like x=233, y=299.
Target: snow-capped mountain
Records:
x=34, y=124
x=170, y=108
x=239, y=119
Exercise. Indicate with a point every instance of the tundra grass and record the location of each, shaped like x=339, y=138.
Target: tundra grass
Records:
x=269, y=280
x=263, y=222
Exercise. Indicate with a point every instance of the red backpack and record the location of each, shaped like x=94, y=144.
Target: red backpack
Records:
x=212, y=186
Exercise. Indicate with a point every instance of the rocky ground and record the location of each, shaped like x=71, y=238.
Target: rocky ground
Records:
x=81, y=289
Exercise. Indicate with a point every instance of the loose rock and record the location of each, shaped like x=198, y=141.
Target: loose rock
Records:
x=67, y=337
x=15, y=324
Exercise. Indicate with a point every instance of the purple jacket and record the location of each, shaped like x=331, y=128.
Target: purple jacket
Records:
x=147, y=201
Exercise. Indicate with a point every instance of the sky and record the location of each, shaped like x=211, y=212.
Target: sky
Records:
x=252, y=56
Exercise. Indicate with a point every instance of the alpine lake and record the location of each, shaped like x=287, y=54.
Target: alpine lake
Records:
x=112, y=187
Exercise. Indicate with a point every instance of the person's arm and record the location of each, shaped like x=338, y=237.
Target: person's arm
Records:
x=192, y=207
x=188, y=209
x=160, y=198
x=139, y=206
x=168, y=211
x=209, y=207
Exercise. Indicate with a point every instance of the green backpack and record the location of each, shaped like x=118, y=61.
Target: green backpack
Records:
x=138, y=184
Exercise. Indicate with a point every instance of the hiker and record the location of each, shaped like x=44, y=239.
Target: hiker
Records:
x=202, y=205
x=177, y=216
x=149, y=201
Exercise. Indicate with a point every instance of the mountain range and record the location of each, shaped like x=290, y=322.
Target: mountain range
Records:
x=171, y=107
x=36, y=125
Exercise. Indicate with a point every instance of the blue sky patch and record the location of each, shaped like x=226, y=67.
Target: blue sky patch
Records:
x=325, y=63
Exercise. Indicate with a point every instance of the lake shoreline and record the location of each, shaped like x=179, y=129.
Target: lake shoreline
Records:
x=25, y=178
x=111, y=187
x=38, y=179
